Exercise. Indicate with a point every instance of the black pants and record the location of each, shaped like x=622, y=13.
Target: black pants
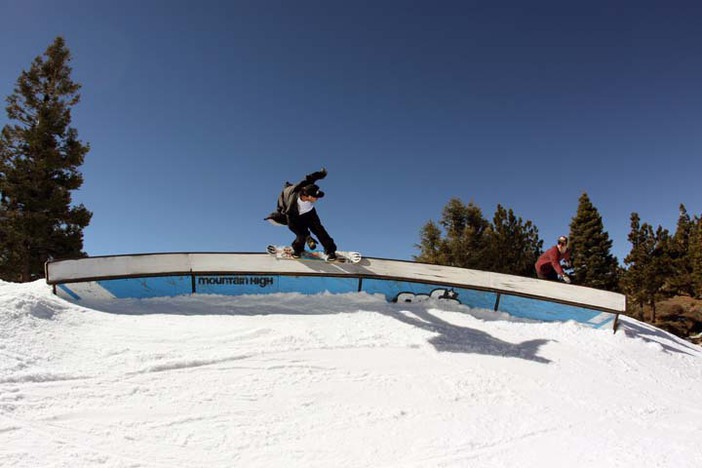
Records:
x=549, y=274
x=303, y=224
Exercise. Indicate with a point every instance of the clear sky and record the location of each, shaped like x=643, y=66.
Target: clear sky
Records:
x=197, y=112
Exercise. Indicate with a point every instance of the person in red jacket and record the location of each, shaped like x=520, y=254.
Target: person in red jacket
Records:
x=548, y=266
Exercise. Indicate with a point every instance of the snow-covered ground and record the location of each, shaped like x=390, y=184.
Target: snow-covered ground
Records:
x=334, y=381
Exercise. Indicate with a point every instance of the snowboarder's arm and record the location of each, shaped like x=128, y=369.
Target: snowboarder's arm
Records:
x=555, y=262
x=566, y=259
x=313, y=177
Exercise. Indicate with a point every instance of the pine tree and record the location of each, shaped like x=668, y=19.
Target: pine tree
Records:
x=660, y=268
x=680, y=281
x=593, y=263
x=514, y=245
x=464, y=238
x=634, y=277
x=649, y=264
x=459, y=239
x=431, y=245
x=454, y=221
x=464, y=228
x=635, y=260
x=695, y=254
x=39, y=158
x=475, y=238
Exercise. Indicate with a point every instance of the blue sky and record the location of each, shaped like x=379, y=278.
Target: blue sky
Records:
x=197, y=112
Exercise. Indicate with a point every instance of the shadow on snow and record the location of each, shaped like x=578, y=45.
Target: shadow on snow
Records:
x=448, y=337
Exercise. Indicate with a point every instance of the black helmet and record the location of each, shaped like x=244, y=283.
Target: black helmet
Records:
x=312, y=190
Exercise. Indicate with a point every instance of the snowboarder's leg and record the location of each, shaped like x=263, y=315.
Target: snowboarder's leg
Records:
x=301, y=231
x=315, y=225
x=547, y=274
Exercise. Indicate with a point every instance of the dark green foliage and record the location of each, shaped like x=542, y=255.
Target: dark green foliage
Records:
x=680, y=281
x=432, y=245
x=661, y=266
x=593, y=263
x=466, y=229
x=635, y=276
x=649, y=262
x=463, y=244
x=39, y=158
x=514, y=245
x=695, y=254
x=658, y=267
x=468, y=240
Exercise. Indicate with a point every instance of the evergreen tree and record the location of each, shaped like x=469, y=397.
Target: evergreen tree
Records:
x=593, y=263
x=649, y=263
x=454, y=221
x=431, y=245
x=475, y=238
x=681, y=280
x=634, y=277
x=39, y=158
x=661, y=268
x=464, y=238
x=459, y=239
x=514, y=245
x=695, y=253
x=465, y=227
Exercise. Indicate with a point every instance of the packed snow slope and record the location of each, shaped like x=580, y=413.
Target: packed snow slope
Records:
x=334, y=381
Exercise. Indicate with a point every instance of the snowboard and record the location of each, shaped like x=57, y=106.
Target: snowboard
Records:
x=284, y=252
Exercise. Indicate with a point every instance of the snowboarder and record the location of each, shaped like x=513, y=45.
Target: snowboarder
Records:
x=295, y=209
x=548, y=266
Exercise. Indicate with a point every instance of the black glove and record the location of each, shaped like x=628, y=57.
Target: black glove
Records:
x=321, y=174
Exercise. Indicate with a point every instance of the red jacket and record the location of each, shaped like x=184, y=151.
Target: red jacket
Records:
x=550, y=261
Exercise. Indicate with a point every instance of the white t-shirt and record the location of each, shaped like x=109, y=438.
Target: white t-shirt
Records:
x=304, y=206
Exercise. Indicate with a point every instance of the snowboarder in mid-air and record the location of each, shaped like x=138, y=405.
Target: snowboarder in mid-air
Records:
x=296, y=210
x=548, y=266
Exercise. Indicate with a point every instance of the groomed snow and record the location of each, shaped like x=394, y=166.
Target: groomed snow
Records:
x=334, y=381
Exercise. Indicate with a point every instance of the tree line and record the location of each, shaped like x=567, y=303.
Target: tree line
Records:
x=659, y=265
